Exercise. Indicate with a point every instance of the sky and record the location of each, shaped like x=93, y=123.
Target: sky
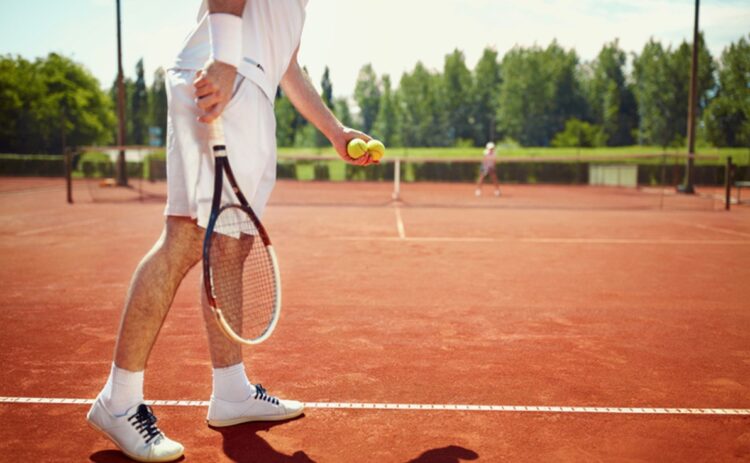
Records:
x=392, y=35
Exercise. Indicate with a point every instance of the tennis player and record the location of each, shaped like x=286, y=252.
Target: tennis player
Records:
x=231, y=64
x=488, y=168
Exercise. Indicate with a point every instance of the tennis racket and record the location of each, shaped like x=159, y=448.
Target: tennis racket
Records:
x=240, y=271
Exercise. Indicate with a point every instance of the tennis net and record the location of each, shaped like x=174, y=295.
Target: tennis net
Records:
x=642, y=181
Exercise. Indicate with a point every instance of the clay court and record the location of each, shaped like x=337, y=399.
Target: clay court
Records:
x=553, y=323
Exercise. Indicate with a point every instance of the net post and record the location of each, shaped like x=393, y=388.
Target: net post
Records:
x=728, y=171
x=68, y=163
x=396, y=179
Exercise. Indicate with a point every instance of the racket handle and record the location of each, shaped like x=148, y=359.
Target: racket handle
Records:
x=216, y=136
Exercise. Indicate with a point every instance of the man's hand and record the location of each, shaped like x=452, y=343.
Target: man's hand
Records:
x=342, y=138
x=213, y=89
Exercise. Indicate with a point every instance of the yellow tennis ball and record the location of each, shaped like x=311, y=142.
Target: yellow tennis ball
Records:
x=376, y=149
x=356, y=148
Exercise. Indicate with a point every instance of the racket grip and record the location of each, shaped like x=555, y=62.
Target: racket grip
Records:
x=216, y=134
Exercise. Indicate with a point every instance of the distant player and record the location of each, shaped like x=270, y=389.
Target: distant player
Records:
x=488, y=168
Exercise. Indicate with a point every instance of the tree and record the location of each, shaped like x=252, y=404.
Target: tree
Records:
x=679, y=67
x=327, y=88
x=129, y=86
x=341, y=110
x=327, y=96
x=486, y=92
x=424, y=119
x=611, y=102
x=286, y=120
x=539, y=91
x=49, y=103
x=367, y=95
x=139, y=108
x=655, y=95
x=387, y=124
x=577, y=134
x=457, y=85
x=158, y=104
x=727, y=117
x=662, y=83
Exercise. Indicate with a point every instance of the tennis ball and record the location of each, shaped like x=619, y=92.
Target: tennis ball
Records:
x=376, y=149
x=356, y=148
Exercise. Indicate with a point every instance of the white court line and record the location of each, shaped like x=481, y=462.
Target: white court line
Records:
x=399, y=223
x=477, y=239
x=422, y=407
x=716, y=229
x=37, y=231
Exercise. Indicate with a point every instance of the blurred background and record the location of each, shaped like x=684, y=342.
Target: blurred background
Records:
x=432, y=80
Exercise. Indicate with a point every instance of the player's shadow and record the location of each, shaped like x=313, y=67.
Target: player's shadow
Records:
x=242, y=444
x=448, y=454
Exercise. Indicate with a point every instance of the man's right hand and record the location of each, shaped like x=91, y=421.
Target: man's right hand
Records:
x=214, y=85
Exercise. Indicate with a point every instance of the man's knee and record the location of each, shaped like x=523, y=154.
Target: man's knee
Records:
x=182, y=241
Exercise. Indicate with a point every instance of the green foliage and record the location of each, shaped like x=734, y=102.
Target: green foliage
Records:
x=327, y=88
x=50, y=103
x=425, y=120
x=139, y=108
x=341, y=110
x=158, y=104
x=539, y=91
x=662, y=83
x=578, y=134
x=727, y=117
x=367, y=95
x=458, y=91
x=486, y=92
x=610, y=99
x=388, y=123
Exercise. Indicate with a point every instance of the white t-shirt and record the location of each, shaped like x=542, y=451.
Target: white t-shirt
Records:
x=271, y=31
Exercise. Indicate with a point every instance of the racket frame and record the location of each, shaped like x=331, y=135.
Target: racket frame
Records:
x=222, y=167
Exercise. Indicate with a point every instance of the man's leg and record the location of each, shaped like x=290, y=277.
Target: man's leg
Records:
x=495, y=182
x=119, y=411
x=152, y=290
x=225, y=353
x=482, y=174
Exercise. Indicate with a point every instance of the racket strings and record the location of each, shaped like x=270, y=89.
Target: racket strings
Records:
x=242, y=272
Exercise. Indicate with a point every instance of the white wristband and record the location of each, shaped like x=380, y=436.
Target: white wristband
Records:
x=225, y=34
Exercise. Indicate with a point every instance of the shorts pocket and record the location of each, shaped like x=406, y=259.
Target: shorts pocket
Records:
x=239, y=88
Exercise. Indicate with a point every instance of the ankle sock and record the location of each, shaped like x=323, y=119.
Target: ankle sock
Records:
x=231, y=383
x=123, y=390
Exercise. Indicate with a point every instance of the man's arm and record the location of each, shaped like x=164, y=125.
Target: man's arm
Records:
x=214, y=84
x=301, y=92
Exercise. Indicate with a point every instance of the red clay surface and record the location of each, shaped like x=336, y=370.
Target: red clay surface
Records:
x=552, y=296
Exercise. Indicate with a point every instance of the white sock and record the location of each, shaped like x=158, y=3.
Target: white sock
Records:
x=231, y=383
x=123, y=390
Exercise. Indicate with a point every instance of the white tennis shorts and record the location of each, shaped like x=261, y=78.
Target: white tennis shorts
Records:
x=250, y=133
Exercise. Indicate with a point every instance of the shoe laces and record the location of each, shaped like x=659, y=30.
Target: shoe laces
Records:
x=260, y=394
x=144, y=421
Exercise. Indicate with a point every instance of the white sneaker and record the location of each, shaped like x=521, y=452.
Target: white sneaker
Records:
x=258, y=407
x=135, y=433
x=477, y=192
x=497, y=192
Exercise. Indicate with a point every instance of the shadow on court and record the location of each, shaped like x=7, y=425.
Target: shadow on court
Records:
x=242, y=444
x=449, y=454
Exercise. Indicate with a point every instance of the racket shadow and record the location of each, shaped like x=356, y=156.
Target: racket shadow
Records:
x=243, y=444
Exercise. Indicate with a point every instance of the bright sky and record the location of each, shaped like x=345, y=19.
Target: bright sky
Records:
x=391, y=34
